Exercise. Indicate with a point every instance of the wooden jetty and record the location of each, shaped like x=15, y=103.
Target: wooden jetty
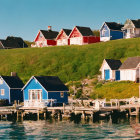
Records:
x=102, y=107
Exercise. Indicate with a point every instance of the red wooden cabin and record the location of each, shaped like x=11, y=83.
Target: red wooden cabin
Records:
x=82, y=36
x=45, y=38
x=63, y=37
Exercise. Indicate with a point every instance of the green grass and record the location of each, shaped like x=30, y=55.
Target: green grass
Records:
x=116, y=90
x=70, y=63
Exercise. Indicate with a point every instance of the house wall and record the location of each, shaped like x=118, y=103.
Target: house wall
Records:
x=33, y=84
x=104, y=33
x=51, y=42
x=104, y=67
x=128, y=74
x=56, y=95
x=90, y=39
x=76, y=41
x=7, y=91
x=62, y=42
x=115, y=35
x=16, y=94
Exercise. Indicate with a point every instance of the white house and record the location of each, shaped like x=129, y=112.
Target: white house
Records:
x=110, y=69
x=131, y=28
x=129, y=70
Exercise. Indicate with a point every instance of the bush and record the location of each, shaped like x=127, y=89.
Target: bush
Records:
x=79, y=93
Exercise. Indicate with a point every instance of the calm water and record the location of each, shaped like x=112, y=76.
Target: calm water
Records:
x=123, y=129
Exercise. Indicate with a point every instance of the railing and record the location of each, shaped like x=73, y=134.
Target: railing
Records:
x=44, y=103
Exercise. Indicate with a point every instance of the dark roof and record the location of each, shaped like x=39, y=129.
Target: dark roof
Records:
x=51, y=83
x=114, y=64
x=13, y=42
x=85, y=31
x=136, y=23
x=49, y=34
x=67, y=31
x=13, y=81
x=114, y=25
x=131, y=62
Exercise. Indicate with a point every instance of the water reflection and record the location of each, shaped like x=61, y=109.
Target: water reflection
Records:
x=125, y=128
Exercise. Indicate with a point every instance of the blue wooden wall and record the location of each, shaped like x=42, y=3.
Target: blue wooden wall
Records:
x=16, y=94
x=7, y=91
x=116, y=35
x=107, y=31
x=33, y=84
x=56, y=95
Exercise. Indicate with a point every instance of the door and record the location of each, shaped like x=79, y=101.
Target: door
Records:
x=107, y=74
x=35, y=95
x=117, y=75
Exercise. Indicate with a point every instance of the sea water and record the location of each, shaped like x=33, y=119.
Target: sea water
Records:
x=65, y=129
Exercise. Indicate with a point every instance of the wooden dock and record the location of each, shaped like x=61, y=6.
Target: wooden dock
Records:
x=114, y=105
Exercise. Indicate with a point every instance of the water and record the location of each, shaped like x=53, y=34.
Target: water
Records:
x=123, y=129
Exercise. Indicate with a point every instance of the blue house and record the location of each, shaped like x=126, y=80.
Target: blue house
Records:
x=111, y=31
x=10, y=88
x=43, y=91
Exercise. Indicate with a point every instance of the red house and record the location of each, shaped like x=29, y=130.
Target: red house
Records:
x=45, y=38
x=82, y=36
x=63, y=37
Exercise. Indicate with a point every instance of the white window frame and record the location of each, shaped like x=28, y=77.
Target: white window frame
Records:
x=62, y=94
x=2, y=92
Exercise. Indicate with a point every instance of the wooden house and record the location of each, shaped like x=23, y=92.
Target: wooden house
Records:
x=82, y=35
x=131, y=28
x=63, y=37
x=10, y=88
x=43, y=91
x=130, y=69
x=12, y=42
x=45, y=38
x=111, y=31
x=110, y=69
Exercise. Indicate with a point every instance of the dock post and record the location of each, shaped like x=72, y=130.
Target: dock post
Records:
x=22, y=116
x=83, y=114
x=38, y=115
x=63, y=107
x=137, y=111
x=17, y=115
x=44, y=115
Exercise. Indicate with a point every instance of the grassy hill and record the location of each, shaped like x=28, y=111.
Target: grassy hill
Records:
x=70, y=63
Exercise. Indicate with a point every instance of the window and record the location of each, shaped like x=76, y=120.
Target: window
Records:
x=2, y=92
x=62, y=94
x=1, y=81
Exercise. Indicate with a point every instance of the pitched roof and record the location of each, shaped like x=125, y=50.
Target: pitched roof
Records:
x=114, y=64
x=49, y=34
x=85, y=31
x=13, y=42
x=51, y=83
x=13, y=81
x=136, y=23
x=131, y=62
x=114, y=25
x=67, y=31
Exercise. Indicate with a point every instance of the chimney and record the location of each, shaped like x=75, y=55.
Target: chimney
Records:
x=13, y=74
x=49, y=28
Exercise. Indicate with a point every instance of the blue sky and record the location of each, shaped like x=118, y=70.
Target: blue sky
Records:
x=25, y=17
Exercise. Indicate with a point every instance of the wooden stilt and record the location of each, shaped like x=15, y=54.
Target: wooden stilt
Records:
x=38, y=115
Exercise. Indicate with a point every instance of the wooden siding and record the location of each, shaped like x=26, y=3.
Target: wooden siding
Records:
x=57, y=96
x=33, y=84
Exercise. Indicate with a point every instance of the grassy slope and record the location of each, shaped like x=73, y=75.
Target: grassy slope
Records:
x=68, y=62
x=117, y=90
